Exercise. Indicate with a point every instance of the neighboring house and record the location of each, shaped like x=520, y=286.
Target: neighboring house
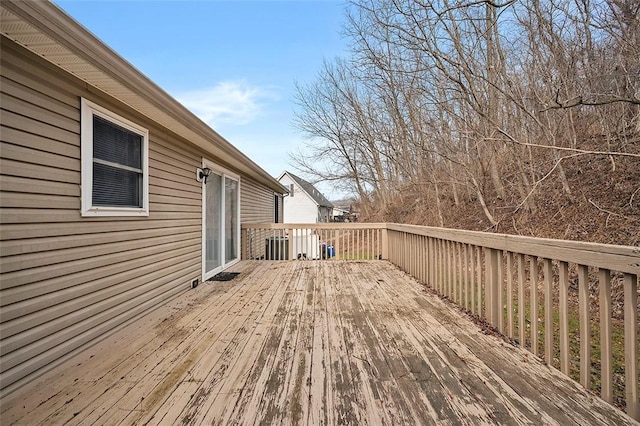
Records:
x=104, y=210
x=340, y=214
x=304, y=204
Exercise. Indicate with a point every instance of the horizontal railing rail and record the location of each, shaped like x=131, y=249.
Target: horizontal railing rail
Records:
x=552, y=297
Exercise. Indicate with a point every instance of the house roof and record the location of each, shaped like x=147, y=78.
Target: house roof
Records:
x=311, y=190
x=48, y=31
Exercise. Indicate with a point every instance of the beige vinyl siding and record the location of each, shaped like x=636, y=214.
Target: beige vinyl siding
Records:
x=257, y=205
x=256, y=202
x=280, y=209
x=66, y=280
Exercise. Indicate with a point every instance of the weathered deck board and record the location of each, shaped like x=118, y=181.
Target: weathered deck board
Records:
x=305, y=342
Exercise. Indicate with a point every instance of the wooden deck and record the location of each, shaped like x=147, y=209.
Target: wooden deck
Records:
x=306, y=342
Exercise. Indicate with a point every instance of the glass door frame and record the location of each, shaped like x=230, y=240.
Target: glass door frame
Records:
x=225, y=174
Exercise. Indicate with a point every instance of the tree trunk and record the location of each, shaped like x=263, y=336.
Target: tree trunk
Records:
x=485, y=209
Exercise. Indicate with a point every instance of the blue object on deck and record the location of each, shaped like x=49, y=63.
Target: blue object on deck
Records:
x=327, y=251
x=330, y=251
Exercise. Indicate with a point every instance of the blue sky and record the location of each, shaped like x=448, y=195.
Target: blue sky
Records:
x=233, y=63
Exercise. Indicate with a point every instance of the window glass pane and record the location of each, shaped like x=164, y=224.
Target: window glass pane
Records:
x=115, y=144
x=213, y=231
x=231, y=218
x=116, y=187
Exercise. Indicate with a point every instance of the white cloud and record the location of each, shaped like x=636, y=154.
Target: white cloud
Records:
x=233, y=102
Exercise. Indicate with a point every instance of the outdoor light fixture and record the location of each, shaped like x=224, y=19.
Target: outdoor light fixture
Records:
x=203, y=174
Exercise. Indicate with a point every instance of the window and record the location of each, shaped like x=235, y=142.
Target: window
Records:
x=115, y=177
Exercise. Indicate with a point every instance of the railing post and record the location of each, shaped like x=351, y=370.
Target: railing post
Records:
x=385, y=243
x=244, y=244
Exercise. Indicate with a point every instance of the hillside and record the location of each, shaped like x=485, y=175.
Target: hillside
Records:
x=604, y=205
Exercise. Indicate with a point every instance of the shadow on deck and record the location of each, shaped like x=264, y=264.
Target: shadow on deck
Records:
x=312, y=342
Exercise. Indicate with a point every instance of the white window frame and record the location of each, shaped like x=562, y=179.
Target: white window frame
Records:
x=88, y=111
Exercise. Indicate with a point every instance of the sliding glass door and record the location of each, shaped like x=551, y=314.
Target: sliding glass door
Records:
x=221, y=221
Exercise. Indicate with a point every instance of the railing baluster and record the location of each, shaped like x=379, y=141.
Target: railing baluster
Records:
x=522, y=328
x=500, y=290
x=440, y=266
x=564, y=317
x=585, y=326
x=376, y=241
x=454, y=272
x=416, y=256
x=492, y=285
x=432, y=262
x=534, y=305
x=509, y=294
x=419, y=259
x=446, y=267
x=407, y=251
x=548, y=311
x=425, y=259
x=631, y=345
x=443, y=268
x=429, y=262
x=479, y=278
x=459, y=272
x=472, y=272
x=465, y=252
x=353, y=245
x=606, y=391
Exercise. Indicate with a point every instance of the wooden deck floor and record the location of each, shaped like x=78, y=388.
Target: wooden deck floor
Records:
x=305, y=343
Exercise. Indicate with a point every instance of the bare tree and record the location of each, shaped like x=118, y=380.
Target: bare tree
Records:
x=479, y=102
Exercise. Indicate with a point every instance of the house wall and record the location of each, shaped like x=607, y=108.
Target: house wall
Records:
x=280, y=218
x=66, y=281
x=299, y=208
x=257, y=206
x=256, y=202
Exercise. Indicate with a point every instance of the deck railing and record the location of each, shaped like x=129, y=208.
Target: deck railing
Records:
x=277, y=241
x=552, y=297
